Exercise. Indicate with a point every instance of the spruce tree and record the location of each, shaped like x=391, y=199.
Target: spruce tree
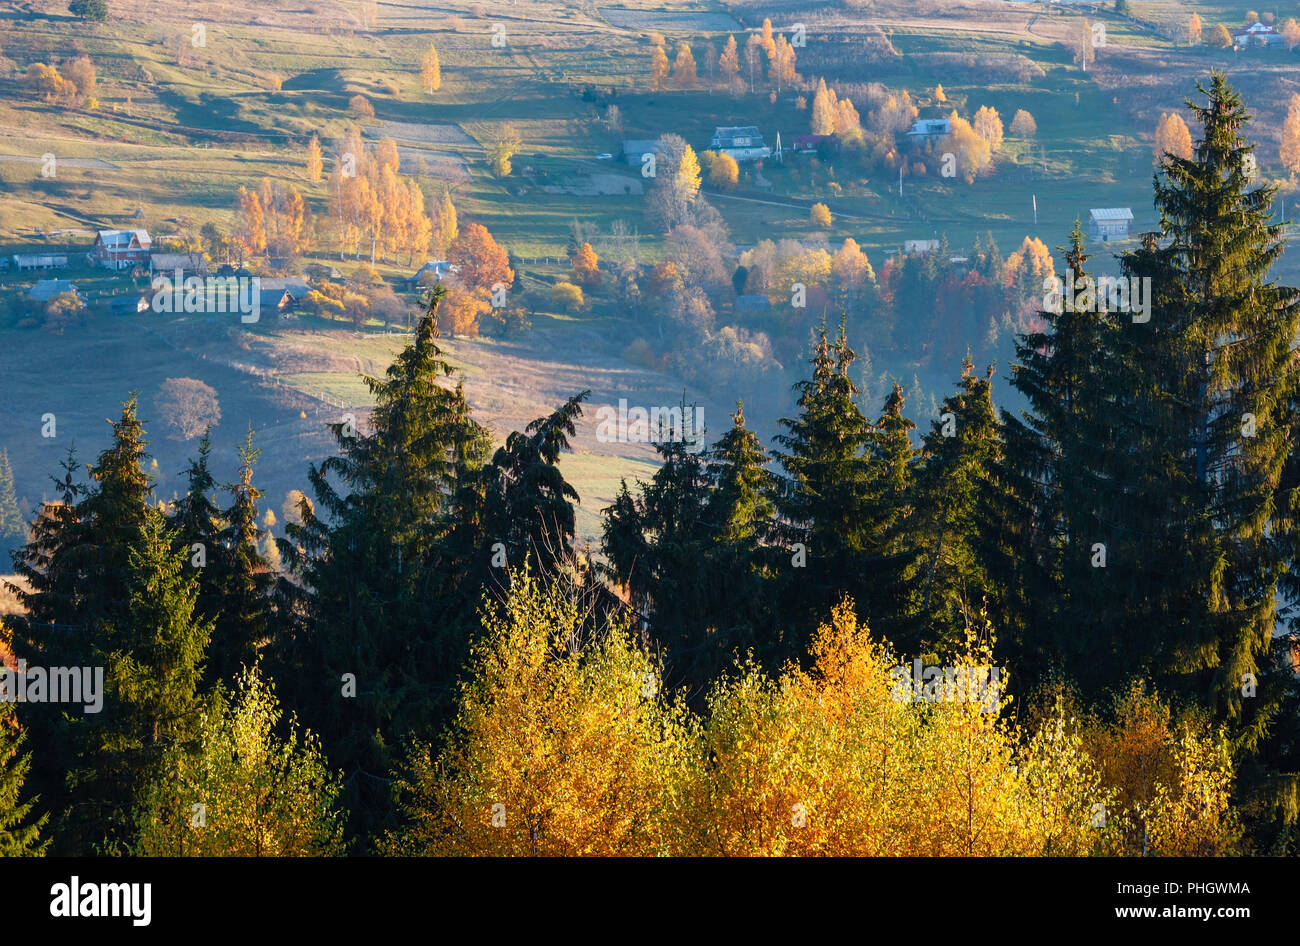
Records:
x=110, y=516
x=12, y=529
x=196, y=519
x=948, y=581
x=1040, y=509
x=196, y=516
x=891, y=459
x=657, y=544
x=740, y=515
x=1213, y=381
x=76, y=566
x=242, y=576
x=152, y=656
x=75, y=562
x=627, y=546
x=19, y=831
x=740, y=508
x=51, y=585
x=1152, y=464
x=386, y=591
x=529, y=505
x=918, y=281
x=44, y=634
x=823, y=499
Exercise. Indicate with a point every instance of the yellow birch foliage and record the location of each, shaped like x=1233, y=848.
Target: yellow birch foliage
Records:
x=564, y=744
x=988, y=125
x=1173, y=137
x=431, y=70
x=1289, y=150
x=315, y=163
x=839, y=760
x=1172, y=781
x=973, y=153
x=658, y=68
x=244, y=791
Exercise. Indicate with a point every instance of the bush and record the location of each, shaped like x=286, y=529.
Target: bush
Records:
x=1220, y=38
x=640, y=353
x=89, y=9
x=567, y=297
x=360, y=107
x=506, y=322
x=724, y=173
x=245, y=791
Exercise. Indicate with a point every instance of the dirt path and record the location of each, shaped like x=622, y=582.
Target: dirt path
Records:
x=787, y=204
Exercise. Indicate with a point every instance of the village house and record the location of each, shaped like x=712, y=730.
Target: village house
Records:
x=274, y=300
x=436, y=270
x=635, y=150
x=920, y=246
x=130, y=304
x=1257, y=34
x=753, y=303
x=47, y=289
x=41, y=260
x=929, y=129
x=1109, y=223
x=120, y=249
x=282, y=294
x=166, y=264
x=742, y=142
x=804, y=144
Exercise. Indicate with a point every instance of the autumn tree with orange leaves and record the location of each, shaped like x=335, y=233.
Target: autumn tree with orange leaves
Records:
x=481, y=261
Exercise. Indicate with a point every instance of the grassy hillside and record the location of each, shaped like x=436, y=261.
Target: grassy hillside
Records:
x=176, y=127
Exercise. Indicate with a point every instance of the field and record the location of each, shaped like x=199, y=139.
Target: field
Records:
x=174, y=133
x=178, y=126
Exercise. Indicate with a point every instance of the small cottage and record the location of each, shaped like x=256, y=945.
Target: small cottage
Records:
x=1109, y=223
x=47, y=289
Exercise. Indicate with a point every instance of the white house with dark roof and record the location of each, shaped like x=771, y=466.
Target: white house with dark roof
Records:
x=930, y=128
x=436, y=268
x=742, y=142
x=121, y=249
x=1109, y=223
x=1258, y=34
